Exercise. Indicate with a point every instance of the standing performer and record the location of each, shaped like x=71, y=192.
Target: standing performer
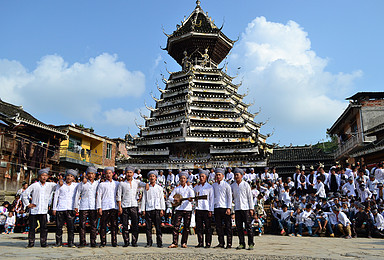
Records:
x=128, y=207
x=184, y=211
x=152, y=207
x=40, y=194
x=204, y=209
x=222, y=208
x=107, y=206
x=243, y=199
x=63, y=208
x=85, y=204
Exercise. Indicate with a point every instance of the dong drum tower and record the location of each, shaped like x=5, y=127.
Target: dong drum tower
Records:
x=200, y=119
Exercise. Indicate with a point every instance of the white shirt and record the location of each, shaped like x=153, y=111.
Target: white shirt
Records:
x=106, y=195
x=160, y=179
x=349, y=187
x=364, y=194
x=320, y=190
x=11, y=221
x=242, y=196
x=41, y=196
x=306, y=218
x=223, y=195
x=212, y=176
x=85, y=198
x=283, y=215
x=379, y=221
x=230, y=177
x=185, y=192
x=205, y=189
x=171, y=179
x=126, y=193
x=153, y=198
x=379, y=175
x=342, y=219
x=64, y=197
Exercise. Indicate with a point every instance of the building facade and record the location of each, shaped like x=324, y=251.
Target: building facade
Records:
x=84, y=148
x=26, y=145
x=360, y=129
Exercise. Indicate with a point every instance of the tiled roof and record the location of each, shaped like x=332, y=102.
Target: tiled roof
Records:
x=298, y=154
x=15, y=115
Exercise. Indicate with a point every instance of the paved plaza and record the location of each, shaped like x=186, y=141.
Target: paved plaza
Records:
x=267, y=247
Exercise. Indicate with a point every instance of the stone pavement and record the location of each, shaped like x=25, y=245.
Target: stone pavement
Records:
x=267, y=247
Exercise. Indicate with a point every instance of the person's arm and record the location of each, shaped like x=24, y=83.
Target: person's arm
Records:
x=162, y=200
x=211, y=202
x=98, y=200
x=143, y=202
x=55, y=200
x=26, y=195
x=77, y=197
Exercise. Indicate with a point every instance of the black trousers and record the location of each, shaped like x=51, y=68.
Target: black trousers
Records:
x=223, y=223
x=203, y=226
x=92, y=216
x=243, y=218
x=108, y=217
x=67, y=216
x=153, y=217
x=130, y=213
x=42, y=218
x=186, y=216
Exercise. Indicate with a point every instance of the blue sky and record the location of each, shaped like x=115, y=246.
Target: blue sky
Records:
x=96, y=62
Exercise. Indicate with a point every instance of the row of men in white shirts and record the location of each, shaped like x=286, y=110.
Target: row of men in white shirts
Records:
x=110, y=197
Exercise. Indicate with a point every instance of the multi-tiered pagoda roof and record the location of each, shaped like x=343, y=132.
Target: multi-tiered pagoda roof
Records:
x=200, y=119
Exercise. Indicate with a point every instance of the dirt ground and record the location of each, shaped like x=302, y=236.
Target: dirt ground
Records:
x=266, y=247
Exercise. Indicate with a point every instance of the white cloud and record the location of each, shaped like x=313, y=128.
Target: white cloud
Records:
x=122, y=117
x=73, y=91
x=289, y=81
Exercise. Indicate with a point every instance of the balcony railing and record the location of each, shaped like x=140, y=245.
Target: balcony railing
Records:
x=84, y=156
x=354, y=141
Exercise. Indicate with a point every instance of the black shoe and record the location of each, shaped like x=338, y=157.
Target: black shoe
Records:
x=114, y=245
x=199, y=245
x=44, y=245
x=134, y=245
x=30, y=246
x=148, y=245
x=81, y=245
x=71, y=245
x=58, y=245
x=101, y=245
x=228, y=247
x=93, y=245
x=219, y=246
x=160, y=246
x=207, y=246
x=126, y=245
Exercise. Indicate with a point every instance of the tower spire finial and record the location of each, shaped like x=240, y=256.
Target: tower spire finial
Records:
x=198, y=2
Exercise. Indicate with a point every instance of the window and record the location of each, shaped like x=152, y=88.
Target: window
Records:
x=109, y=151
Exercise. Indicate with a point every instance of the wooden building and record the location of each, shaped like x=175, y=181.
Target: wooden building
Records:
x=26, y=145
x=360, y=129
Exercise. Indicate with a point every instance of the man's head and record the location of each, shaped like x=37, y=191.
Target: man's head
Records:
x=71, y=175
x=91, y=173
x=43, y=175
x=183, y=177
x=238, y=174
x=152, y=177
x=203, y=176
x=108, y=172
x=129, y=172
x=219, y=174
